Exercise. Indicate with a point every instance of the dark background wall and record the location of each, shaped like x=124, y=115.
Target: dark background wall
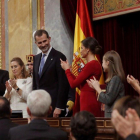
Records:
x=120, y=33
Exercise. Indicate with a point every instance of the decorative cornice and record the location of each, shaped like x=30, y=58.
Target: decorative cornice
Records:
x=31, y=28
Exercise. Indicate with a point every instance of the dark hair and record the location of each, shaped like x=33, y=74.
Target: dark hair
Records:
x=83, y=126
x=21, y=63
x=5, y=110
x=127, y=102
x=40, y=33
x=92, y=44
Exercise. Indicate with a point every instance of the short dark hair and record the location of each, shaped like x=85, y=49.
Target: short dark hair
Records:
x=83, y=126
x=5, y=111
x=127, y=102
x=40, y=33
x=92, y=44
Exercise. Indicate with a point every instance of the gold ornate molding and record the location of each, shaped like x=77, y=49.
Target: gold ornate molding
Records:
x=31, y=28
x=40, y=14
x=109, y=8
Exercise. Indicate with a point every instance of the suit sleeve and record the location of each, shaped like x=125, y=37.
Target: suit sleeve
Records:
x=132, y=137
x=71, y=95
x=112, y=92
x=63, y=86
x=5, y=77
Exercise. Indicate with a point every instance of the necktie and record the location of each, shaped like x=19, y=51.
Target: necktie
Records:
x=41, y=64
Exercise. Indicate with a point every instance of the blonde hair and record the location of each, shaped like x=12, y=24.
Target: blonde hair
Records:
x=25, y=74
x=115, y=65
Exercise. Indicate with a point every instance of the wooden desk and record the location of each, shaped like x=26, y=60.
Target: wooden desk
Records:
x=104, y=126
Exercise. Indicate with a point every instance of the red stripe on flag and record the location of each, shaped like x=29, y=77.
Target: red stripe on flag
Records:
x=82, y=11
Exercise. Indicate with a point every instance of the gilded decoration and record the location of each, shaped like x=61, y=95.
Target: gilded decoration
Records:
x=109, y=8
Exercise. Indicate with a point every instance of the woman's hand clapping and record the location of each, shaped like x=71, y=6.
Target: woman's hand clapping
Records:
x=8, y=87
x=64, y=64
x=13, y=83
x=93, y=83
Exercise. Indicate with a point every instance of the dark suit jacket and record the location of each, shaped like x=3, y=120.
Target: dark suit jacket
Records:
x=132, y=137
x=5, y=125
x=53, y=78
x=71, y=95
x=37, y=129
x=4, y=76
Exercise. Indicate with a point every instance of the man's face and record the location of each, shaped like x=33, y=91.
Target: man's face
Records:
x=30, y=67
x=43, y=43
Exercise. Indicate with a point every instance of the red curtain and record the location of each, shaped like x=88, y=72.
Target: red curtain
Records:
x=69, y=8
x=121, y=33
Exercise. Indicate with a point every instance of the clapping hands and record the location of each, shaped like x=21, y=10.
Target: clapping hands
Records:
x=134, y=83
x=64, y=64
x=127, y=125
x=13, y=83
x=93, y=83
x=8, y=87
x=9, y=84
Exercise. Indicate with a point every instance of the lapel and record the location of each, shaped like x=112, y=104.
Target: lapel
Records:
x=37, y=64
x=49, y=60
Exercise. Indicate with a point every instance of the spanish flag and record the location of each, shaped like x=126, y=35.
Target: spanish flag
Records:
x=83, y=29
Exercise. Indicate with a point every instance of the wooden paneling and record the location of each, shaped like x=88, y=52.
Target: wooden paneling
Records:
x=104, y=126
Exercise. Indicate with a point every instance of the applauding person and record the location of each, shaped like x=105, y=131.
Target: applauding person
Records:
x=134, y=83
x=88, y=98
x=112, y=65
x=19, y=86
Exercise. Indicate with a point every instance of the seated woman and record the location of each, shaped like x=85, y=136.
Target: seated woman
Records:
x=18, y=87
x=83, y=126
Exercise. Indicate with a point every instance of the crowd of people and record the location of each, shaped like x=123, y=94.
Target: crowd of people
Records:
x=47, y=88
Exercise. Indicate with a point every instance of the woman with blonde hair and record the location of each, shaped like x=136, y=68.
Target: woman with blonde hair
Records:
x=112, y=65
x=19, y=86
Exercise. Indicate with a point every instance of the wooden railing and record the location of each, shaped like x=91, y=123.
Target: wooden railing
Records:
x=105, y=128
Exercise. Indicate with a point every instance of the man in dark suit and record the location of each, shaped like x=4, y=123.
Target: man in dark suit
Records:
x=38, y=108
x=4, y=76
x=48, y=74
x=5, y=122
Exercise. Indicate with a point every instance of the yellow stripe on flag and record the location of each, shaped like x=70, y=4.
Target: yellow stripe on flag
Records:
x=79, y=35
